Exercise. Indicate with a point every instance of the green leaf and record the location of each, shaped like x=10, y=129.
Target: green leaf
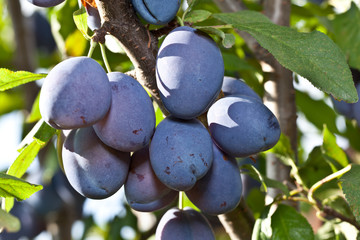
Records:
x=23, y=161
x=288, y=224
x=197, y=16
x=9, y=222
x=41, y=132
x=80, y=19
x=11, y=186
x=35, y=111
x=336, y=156
x=312, y=55
x=283, y=150
x=265, y=181
x=346, y=29
x=10, y=79
x=350, y=182
x=316, y=168
x=228, y=40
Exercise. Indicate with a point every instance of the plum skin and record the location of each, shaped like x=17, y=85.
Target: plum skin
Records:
x=93, y=169
x=220, y=190
x=233, y=86
x=130, y=122
x=76, y=93
x=157, y=12
x=242, y=126
x=143, y=190
x=189, y=224
x=189, y=72
x=180, y=152
x=45, y=3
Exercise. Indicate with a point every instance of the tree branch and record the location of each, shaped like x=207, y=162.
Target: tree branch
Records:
x=118, y=18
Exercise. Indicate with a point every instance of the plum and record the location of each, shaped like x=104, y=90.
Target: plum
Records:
x=187, y=224
x=241, y=126
x=158, y=12
x=46, y=3
x=93, y=169
x=233, y=86
x=189, y=72
x=180, y=152
x=143, y=190
x=343, y=108
x=93, y=16
x=130, y=122
x=220, y=190
x=76, y=93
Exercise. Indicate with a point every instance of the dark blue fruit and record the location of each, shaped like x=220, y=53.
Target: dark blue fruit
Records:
x=343, y=108
x=143, y=190
x=187, y=224
x=181, y=152
x=130, y=122
x=233, y=86
x=220, y=190
x=93, y=16
x=44, y=39
x=76, y=93
x=92, y=168
x=189, y=72
x=158, y=12
x=46, y=3
x=356, y=107
x=242, y=126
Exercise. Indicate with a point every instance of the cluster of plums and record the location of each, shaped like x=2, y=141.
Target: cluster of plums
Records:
x=111, y=116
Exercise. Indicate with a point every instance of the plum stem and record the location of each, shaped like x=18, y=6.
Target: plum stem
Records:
x=103, y=54
x=92, y=48
x=181, y=200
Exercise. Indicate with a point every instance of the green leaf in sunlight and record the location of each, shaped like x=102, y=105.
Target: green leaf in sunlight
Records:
x=10, y=79
x=312, y=55
x=350, y=183
x=197, y=16
x=35, y=111
x=11, y=186
x=80, y=19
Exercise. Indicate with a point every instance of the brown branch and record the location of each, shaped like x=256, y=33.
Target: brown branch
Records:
x=239, y=222
x=119, y=19
x=331, y=212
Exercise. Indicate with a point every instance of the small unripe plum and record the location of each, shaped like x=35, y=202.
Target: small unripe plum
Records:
x=130, y=122
x=180, y=152
x=76, y=93
x=92, y=168
x=189, y=72
x=46, y=3
x=233, y=86
x=158, y=12
x=143, y=190
x=241, y=125
x=220, y=190
x=187, y=224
